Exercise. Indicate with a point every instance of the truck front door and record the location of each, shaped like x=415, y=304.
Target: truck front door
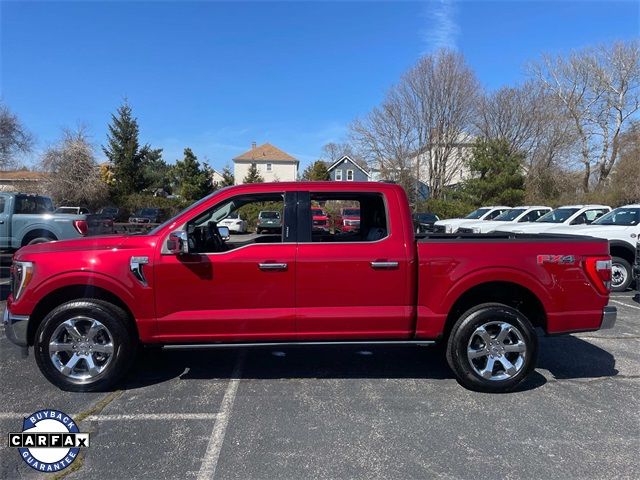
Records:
x=239, y=290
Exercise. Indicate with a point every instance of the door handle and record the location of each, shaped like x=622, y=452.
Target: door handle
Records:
x=272, y=266
x=384, y=265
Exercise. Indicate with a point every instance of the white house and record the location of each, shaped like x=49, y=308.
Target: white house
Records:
x=273, y=164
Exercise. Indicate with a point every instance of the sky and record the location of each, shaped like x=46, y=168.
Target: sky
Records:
x=215, y=76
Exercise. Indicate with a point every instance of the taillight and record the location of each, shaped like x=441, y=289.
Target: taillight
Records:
x=81, y=226
x=599, y=272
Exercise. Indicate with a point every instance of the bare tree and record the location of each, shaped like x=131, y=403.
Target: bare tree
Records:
x=599, y=90
x=334, y=151
x=73, y=173
x=439, y=93
x=14, y=138
x=625, y=175
x=385, y=138
x=533, y=122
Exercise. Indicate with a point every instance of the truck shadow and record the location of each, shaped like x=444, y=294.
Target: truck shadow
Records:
x=564, y=357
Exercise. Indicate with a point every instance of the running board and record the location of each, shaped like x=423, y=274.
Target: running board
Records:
x=370, y=343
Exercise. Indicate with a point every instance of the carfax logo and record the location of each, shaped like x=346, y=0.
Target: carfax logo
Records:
x=50, y=440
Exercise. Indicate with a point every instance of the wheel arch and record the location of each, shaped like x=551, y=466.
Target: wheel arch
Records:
x=623, y=250
x=508, y=293
x=35, y=233
x=74, y=292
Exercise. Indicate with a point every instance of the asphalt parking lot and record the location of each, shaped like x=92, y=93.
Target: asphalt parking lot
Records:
x=348, y=412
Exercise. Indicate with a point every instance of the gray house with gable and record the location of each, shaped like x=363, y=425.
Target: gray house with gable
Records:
x=346, y=170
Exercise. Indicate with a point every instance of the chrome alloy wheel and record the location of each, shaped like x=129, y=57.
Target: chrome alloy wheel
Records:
x=81, y=348
x=496, y=351
x=618, y=275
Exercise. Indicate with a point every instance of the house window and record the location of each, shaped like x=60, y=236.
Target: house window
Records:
x=350, y=175
x=269, y=167
x=339, y=175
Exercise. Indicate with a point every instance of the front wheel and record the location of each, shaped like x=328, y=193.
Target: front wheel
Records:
x=492, y=348
x=621, y=274
x=85, y=345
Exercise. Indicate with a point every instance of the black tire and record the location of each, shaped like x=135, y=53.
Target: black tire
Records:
x=626, y=274
x=123, y=338
x=466, y=370
x=40, y=239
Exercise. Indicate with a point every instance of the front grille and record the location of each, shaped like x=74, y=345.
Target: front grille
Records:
x=351, y=223
x=439, y=229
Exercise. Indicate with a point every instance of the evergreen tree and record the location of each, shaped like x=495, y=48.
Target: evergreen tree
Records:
x=227, y=177
x=156, y=172
x=192, y=181
x=496, y=174
x=123, y=151
x=316, y=171
x=252, y=175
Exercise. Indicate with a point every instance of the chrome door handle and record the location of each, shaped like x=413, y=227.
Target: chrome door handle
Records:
x=272, y=266
x=384, y=265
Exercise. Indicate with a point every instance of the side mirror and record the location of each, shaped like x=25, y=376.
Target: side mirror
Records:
x=178, y=242
x=224, y=233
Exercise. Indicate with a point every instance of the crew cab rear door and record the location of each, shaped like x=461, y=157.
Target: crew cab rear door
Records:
x=352, y=284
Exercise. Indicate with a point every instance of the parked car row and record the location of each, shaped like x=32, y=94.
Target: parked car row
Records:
x=621, y=227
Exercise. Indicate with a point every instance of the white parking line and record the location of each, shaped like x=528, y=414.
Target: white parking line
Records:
x=13, y=415
x=212, y=454
x=624, y=304
x=155, y=416
x=126, y=417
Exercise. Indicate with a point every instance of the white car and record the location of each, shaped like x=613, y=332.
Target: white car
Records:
x=522, y=214
x=234, y=223
x=576, y=215
x=621, y=227
x=451, y=225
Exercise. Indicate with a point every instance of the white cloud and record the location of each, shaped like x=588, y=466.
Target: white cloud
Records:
x=442, y=29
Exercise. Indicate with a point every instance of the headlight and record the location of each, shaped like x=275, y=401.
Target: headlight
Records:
x=448, y=229
x=476, y=230
x=21, y=275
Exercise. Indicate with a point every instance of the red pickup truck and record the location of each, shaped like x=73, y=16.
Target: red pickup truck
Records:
x=86, y=305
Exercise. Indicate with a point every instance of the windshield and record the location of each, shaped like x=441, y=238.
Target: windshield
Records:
x=558, y=215
x=351, y=212
x=620, y=216
x=477, y=213
x=426, y=217
x=510, y=215
x=195, y=204
x=269, y=215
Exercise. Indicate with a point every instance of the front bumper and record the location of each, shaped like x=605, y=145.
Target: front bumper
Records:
x=609, y=315
x=15, y=327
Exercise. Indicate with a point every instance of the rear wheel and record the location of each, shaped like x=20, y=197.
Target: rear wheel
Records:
x=492, y=348
x=85, y=345
x=621, y=274
x=40, y=239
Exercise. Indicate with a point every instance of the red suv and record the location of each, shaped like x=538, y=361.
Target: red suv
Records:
x=320, y=220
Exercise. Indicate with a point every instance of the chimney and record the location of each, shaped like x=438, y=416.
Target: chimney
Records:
x=253, y=145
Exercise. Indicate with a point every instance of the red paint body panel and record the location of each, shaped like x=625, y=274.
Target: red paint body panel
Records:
x=329, y=291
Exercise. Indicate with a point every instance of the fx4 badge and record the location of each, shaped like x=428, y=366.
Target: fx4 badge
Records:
x=556, y=259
